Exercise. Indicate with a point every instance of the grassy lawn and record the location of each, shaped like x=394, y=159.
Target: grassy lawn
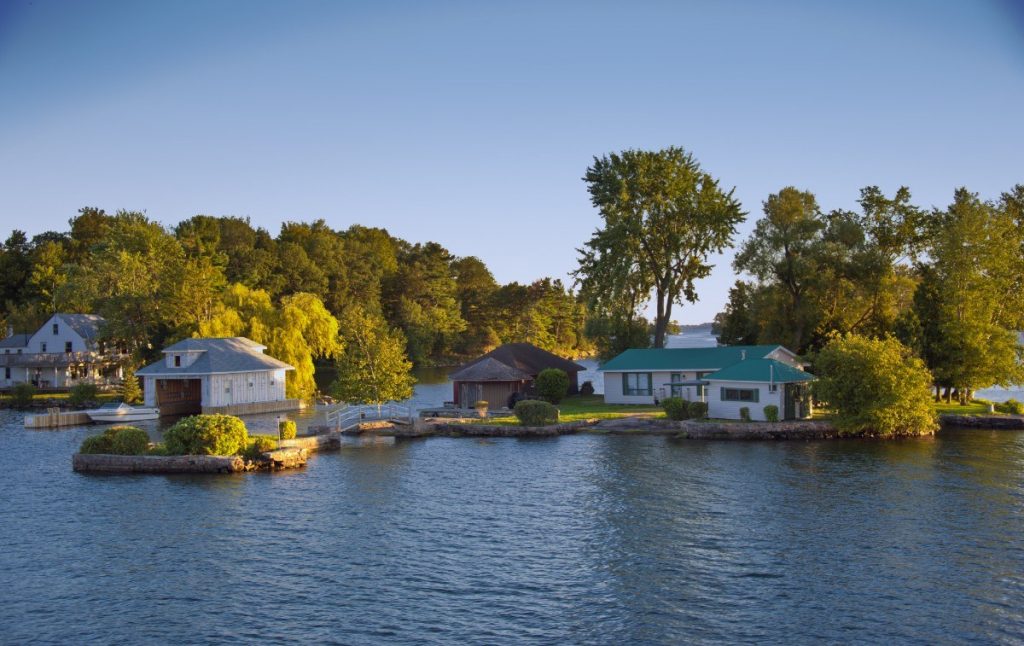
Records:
x=954, y=408
x=580, y=407
x=101, y=397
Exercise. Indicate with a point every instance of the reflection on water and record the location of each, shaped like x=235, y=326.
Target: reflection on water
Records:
x=577, y=539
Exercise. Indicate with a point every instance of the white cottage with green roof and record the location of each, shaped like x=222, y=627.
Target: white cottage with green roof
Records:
x=727, y=378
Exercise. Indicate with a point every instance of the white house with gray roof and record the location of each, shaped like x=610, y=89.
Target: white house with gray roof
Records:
x=216, y=375
x=63, y=352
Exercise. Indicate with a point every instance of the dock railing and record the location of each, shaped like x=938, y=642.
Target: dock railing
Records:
x=345, y=416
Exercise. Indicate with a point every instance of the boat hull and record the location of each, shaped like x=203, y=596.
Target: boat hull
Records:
x=114, y=416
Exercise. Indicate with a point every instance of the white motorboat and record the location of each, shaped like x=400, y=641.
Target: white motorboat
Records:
x=122, y=413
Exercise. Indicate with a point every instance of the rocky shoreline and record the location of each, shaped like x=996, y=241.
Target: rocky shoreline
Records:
x=277, y=460
x=993, y=422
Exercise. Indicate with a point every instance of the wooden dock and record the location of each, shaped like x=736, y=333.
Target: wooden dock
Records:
x=53, y=418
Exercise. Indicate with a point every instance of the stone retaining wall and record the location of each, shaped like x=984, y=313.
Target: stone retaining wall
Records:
x=324, y=442
x=999, y=422
x=86, y=463
x=793, y=430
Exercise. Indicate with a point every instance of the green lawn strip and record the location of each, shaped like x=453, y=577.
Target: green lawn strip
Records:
x=582, y=407
x=954, y=408
x=101, y=397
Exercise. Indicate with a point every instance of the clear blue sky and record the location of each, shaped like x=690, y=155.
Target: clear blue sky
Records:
x=471, y=123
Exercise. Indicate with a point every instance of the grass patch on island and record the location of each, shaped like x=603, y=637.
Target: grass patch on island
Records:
x=954, y=408
x=575, y=408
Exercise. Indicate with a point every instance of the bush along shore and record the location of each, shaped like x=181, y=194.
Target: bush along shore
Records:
x=197, y=444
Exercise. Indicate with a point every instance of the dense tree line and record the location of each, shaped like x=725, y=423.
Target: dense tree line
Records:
x=948, y=283
x=220, y=275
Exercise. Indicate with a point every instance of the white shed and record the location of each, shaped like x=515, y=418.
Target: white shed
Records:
x=216, y=375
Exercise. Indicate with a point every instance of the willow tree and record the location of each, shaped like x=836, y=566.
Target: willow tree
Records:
x=663, y=216
x=297, y=330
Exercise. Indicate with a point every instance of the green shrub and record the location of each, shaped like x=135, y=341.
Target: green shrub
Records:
x=552, y=384
x=158, y=449
x=675, y=408
x=22, y=394
x=771, y=413
x=259, y=444
x=128, y=440
x=286, y=429
x=83, y=393
x=744, y=413
x=697, y=410
x=587, y=388
x=534, y=412
x=1011, y=407
x=207, y=435
x=875, y=386
x=97, y=444
x=117, y=440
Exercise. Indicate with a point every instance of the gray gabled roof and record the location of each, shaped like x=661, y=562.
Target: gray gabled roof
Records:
x=520, y=357
x=490, y=369
x=15, y=341
x=86, y=325
x=219, y=355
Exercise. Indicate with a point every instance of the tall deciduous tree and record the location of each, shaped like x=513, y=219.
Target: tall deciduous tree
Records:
x=971, y=315
x=373, y=369
x=663, y=216
x=782, y=251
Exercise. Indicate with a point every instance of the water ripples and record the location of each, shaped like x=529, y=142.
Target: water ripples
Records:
x=580, y=539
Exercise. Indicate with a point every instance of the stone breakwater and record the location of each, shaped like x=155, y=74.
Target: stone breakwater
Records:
x=793, y=430
x=279, y=459
x=996, y=422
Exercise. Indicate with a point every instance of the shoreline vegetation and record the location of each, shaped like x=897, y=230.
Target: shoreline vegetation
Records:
x=886, y=304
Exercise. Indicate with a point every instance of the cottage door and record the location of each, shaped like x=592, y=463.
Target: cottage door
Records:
x=790, y=402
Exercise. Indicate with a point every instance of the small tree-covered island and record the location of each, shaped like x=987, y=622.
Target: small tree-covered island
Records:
x=873, y=320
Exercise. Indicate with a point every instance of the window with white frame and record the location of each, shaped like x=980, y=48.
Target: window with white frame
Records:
x=637, y=384
x=740, y=395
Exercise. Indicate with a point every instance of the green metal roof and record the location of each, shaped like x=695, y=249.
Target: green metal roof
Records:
x=764, y=370
x=669, y=359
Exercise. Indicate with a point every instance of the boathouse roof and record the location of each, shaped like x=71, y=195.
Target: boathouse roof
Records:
x=512, y=362
x=216, y=355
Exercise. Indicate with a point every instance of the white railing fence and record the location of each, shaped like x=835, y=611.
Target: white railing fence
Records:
x=345, y=416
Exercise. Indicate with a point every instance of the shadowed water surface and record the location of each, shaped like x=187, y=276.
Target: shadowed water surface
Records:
x=579, y=539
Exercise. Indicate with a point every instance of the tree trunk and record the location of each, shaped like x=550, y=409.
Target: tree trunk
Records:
x=660, y=321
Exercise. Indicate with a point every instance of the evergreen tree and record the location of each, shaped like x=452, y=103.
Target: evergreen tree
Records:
x=131, y=393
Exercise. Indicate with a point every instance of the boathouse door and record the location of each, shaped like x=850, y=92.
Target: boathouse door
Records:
x=179, y=396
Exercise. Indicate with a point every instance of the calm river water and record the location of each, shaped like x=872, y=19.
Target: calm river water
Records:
x=578, y=539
